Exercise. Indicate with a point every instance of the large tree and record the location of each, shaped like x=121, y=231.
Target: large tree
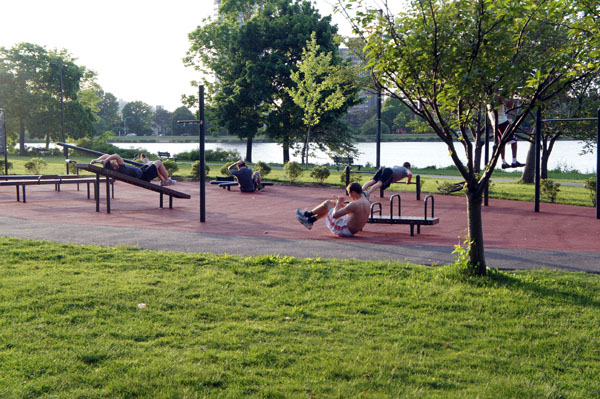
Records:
x=251, y=50
x=446, y=60
x=137, y=116
x=319, y=87
x=30, y=91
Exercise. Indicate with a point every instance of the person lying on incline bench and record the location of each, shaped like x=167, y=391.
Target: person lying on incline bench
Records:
x=147, y=172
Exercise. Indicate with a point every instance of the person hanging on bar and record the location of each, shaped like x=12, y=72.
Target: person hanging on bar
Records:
x=500, y=121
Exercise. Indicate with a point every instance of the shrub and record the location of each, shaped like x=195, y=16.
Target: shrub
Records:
x=590, y=184
x=550, y=189
x=293, y=170
x=262, y=168
x=35, y=165
x=447, y=187
x=224, y=171
x=216, y=155
x=320, y=173
x=196, y=169
x=9, y=165
x=171, y=166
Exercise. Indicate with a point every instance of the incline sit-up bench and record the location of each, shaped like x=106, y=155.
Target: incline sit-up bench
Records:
x=131, y=180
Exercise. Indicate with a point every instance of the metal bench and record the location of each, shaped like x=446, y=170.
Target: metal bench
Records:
x=29, y=180
x=410, y=220
x=130, y=180
x=344, y=161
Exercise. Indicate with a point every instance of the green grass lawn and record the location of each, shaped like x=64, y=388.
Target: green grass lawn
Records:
x=278, y=327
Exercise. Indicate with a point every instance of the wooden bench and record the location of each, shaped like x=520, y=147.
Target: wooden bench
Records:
x=410, y=220
x=165, y=155
x=343, y=161
x=229, y=184
x=29, y=180
x=130, y=180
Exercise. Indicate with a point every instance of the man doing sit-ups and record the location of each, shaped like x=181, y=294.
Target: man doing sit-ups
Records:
x=343, y=220
x=247, y=180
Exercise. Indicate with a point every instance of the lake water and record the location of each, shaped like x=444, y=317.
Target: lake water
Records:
x=565, y=155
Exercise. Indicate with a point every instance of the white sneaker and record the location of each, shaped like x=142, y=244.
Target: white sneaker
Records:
x=304, y=220
x=168, y=182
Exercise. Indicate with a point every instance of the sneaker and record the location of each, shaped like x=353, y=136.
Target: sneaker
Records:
x=304, y=220
x=505, y=165
x=299, y=213
x=168, y=182
x=517, y=164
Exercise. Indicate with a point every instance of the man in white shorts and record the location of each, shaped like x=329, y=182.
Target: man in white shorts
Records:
x=343, y=220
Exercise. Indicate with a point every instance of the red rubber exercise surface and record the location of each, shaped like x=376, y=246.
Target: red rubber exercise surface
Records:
x=271, y=213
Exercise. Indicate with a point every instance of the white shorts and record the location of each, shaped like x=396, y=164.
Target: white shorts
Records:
x=338, y=226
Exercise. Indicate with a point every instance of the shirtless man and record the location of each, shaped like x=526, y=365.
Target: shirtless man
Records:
x=343, y=220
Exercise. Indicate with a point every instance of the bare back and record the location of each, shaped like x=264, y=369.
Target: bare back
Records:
x=358, y=214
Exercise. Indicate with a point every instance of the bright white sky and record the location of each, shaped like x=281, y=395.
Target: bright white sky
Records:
x=135, y=46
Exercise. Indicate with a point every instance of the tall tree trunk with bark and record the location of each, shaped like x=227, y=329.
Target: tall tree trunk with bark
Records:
x=528, y=175
x=475, y=230
x=21, y=137
x=249, y=149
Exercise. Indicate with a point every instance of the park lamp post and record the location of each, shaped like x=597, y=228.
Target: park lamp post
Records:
x=378, y=87
x=62, y=109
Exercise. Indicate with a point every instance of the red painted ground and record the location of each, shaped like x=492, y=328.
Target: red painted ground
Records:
x=507, y=224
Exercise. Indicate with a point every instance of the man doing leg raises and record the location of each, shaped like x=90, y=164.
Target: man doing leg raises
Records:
x=343, y=220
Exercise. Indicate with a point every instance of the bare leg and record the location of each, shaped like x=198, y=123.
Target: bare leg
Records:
x=375, y=187
x=513, y=146
x=368, y=184
x=161, y=170
x=323, y=209
x=257, y=179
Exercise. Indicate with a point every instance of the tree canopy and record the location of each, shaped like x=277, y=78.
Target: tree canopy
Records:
x=446, y=60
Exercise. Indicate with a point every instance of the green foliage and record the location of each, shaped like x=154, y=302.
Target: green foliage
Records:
x=3, y=166
x=320, y=173
x=216, y=155
x=282, y=327
x=224, y=171
x=590, y=184
x=35, y=166
x=293, y=170
x=171, y=166
x=262, y=168
x=448, y=187
x=550, y=189
x=196, y=169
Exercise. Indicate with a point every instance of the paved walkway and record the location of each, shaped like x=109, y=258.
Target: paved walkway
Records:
x=559, y=237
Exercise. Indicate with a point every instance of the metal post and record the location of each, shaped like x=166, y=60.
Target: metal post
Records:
x=598, y=165
x=3, y=139
x=202, y=157
x=378, y=145
x=538, y=138
x=486, y=191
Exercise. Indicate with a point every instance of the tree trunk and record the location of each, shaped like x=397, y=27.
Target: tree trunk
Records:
x=47, y=141
x=544, y=164
x=475, y=231
x=22, y=137
x=249, y=149
x=286, y=152
x=528, y=175
x=307, y=147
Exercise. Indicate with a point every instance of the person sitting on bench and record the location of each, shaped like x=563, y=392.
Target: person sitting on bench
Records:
x=341, y=219
x=147, y=172
x=386, y=176
x=248, y=181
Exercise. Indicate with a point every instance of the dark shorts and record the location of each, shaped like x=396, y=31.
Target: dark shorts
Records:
x=500, y=132
x=384, y=175
x=149, y=172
